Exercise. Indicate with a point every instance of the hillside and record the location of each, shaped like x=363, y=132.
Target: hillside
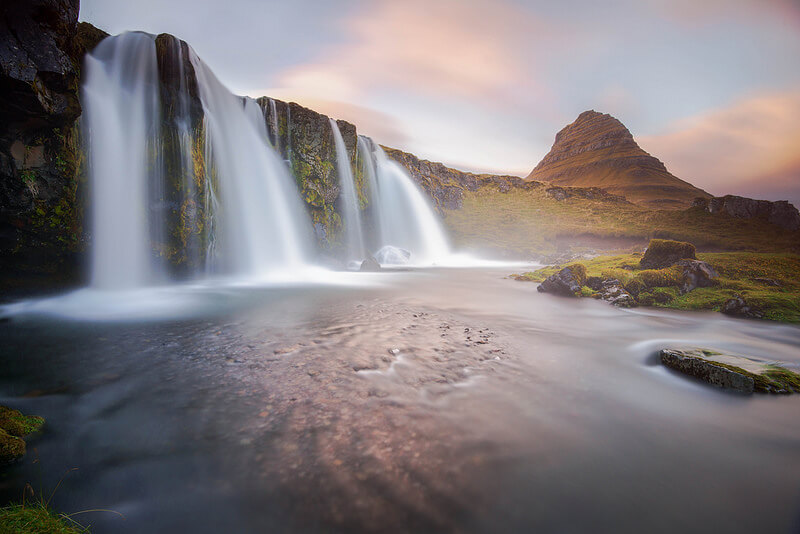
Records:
x=597, y=150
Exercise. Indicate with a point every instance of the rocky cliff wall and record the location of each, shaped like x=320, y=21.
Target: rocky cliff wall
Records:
x=780, y=213
x=41, y=162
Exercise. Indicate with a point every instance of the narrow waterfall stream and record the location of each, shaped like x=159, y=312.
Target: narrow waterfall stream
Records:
x=354, y=234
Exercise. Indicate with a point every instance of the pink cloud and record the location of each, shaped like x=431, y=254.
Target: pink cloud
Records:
x=750, y=146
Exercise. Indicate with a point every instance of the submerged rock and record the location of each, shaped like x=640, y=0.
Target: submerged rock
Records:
x=729, y=371
x=390, y=255
x=663, y=253
x=567, y=282
x=370, y=265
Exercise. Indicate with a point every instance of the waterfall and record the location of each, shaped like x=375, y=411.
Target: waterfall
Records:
x=121, y=97
x=354, y=235
x=263, y=221
x=404, y=218
x=181, y=176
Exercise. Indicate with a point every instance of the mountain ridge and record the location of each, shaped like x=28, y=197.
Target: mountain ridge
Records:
x=597, y=150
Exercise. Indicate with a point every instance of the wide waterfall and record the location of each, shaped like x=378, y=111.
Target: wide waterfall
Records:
x=403, y=217
x=170, y=185
x=354, y=235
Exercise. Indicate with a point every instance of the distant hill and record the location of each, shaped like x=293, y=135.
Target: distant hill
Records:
x=597, y=150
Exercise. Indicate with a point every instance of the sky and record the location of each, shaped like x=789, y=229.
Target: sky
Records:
x=711, y=87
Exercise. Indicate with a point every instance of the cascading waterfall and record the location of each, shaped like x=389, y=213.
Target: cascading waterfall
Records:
x=264, y=224
x=354, y=235
x=121, y=97
x=199, y=188
x=404, y=218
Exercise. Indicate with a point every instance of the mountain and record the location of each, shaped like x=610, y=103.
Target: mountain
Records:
x=597, y=150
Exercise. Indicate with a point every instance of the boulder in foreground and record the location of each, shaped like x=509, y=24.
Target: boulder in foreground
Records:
x=732, y=372
x=567, y=282
x=662, y=253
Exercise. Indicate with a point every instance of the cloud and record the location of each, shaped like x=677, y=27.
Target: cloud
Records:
x=750, y=147
x=447, y=48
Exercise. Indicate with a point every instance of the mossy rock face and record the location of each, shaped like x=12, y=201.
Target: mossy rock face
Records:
x=662, y=253
x=17, y=424
x=11, y=447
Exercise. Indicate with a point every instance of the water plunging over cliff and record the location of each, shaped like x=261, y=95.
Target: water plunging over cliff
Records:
x=354, y=235
x=402, y=214
x=121, y=99
x=190, y=182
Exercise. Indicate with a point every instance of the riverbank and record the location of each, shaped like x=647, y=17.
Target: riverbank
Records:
x=767, y=283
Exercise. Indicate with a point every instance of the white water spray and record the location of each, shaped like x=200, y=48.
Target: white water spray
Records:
x=263, y=221
x=402, y=214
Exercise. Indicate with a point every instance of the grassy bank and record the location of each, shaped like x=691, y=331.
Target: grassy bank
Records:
x=530, y=222
x=36, y=519
x=768, y=282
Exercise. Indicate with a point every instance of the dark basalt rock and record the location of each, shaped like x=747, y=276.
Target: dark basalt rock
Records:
x=696, y=273
x=780, y=213
x=692, y=364
x=566, y=283
x=446, y=186
x=662, y=253
x=613, y=292
x=739, y=307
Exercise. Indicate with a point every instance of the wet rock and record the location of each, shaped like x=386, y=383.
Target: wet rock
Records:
x=663, y=253
x=594, y=282
x=11, y=447
x=613, y=292
x=390, y=255
x=731, y=371
x=696, y=273
x=567, y=282
x=13, y=427
x=370, y=265
x=694, y=364
x=739, y=307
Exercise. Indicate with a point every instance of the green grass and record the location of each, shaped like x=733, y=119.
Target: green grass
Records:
x=529, y=222
x=739, y=274
x=36, y=519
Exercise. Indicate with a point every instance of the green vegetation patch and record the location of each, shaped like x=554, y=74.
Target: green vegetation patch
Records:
x=17, y=424
x=36, y=519
x=769, y=283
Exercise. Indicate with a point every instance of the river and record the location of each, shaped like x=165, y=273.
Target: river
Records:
x=428, y=400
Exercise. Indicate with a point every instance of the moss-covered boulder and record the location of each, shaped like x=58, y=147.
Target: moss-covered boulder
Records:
x=13, y=427
x=566, y=283
x=729, y=371
x=662, y=253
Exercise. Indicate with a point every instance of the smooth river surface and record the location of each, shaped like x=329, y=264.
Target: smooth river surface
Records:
x=449, y=400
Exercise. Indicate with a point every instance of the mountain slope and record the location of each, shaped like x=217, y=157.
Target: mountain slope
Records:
x=597, y=150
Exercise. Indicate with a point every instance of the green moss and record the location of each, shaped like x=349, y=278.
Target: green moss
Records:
x=36, y=519
x=737, y=270
x=11, y=447
x=668, y=277
x=17, y=424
